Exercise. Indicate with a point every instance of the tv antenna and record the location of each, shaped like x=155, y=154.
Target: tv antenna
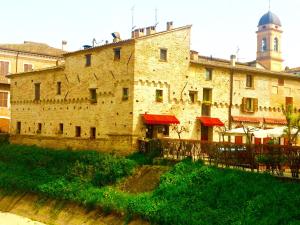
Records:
x=156, y=20
x=269, y=5
x=132, y=18
x=237, y=52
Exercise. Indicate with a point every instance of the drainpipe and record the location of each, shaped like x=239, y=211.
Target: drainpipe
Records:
x=232, y=63
x=17, y=58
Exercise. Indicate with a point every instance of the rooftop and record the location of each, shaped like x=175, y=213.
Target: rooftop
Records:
x=269, y=18
x=33, y=48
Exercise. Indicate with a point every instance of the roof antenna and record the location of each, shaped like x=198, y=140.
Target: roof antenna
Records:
x=237, y=53
x=156, y=21
x=269, y=5
x=132, y=18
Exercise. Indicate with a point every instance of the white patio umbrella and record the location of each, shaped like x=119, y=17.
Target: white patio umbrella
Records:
x=279, y=131
x=240, y=131
x=261, y=133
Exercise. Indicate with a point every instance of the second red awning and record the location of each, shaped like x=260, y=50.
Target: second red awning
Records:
x=160, y=119
x=210, y=122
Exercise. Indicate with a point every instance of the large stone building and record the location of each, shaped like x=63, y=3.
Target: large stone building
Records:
x=15, y=58
x=108, y=96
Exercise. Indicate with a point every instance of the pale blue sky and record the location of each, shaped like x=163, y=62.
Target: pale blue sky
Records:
x=219, y=26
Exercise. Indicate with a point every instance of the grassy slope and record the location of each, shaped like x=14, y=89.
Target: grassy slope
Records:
x=190, y=193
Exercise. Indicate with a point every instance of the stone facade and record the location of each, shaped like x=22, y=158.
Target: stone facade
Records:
x=18, y=58
x=98, y=98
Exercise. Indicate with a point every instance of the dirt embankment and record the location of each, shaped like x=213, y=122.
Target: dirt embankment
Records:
x=50, y=211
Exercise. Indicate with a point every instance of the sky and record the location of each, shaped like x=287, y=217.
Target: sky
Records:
x=220, y=28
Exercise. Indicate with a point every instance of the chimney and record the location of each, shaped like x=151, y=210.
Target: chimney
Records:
x=116, y=36
x=170, y=25
x=232, y=60
x=194, y=55
x=138, y=32
x=150, y=30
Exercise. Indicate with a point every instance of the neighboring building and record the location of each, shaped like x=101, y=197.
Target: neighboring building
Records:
x=107, y=97
x=15, y=58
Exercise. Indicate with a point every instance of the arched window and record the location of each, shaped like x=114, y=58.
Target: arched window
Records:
x=276, y=48
x=264, y=45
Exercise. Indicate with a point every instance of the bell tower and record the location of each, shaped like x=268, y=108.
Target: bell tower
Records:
x=269, y=42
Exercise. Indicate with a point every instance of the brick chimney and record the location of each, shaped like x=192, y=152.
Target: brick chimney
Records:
x=150, y=30
x=194, y=55
x=138, y=33
x=170, y=25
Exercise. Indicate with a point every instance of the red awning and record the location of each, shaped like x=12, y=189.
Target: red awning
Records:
x=210, y=122
x=247, y=119
x=275, y=121
x=160, y=119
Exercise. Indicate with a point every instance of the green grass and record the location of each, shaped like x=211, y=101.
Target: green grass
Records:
x=190, y=193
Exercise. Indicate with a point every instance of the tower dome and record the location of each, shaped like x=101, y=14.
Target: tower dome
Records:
x=269, y=18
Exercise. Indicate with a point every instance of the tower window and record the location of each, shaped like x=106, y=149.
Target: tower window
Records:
x=276, y=48
x=58, y=88
x=163, y=54
x=264, y=45
x=117, y=54
x=208, y=74
x=249, y=81
x=77, y=131
x=88, y=60
x=93, y=95
x=37, y=91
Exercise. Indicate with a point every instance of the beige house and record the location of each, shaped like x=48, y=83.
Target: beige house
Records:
x=107, y=97
x=16, y=58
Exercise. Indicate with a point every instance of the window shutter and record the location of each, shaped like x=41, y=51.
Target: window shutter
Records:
x=244, y=105
x=255, y=104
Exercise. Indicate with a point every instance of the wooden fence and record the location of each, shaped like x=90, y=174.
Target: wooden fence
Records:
x=276, y=159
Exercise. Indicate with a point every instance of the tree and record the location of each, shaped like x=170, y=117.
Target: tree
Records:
x=179, y=129
x=293, y=124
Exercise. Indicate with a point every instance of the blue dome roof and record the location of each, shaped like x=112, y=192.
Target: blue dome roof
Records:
x=269, y=18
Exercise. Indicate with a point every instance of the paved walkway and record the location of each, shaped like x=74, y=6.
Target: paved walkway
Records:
x=12, y=219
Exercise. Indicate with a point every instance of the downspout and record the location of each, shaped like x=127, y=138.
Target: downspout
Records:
x=17, y=59
x=232, y=63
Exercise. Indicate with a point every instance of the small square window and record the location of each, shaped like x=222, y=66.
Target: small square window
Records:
x=163, y=54
x=88, y=60
x=280, y=82
x=18, y=130
x=37, y=91
x=27, y=67
x=58, y=88
x=117, y=54
x=159, y=96
x=61, y=128
x=208, y=74
x=249, y=81
x=125, y=94
x=77, y=131
x=39, y=129
x=193, y=96
x=93, y=95
x=93, y=133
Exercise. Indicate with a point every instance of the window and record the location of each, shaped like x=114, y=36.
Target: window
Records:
x=18, y=130
x=37, y=91
x=287, y=91
x=276, y=48
x=249, y=81
x=208, y=74
x=288, y=102
x=93, y=133
x=88, y=60
x=4, y=68
x=163, y=129
x=264, y=45
x=207, y=95
x=163, y=54
x=274, y=90
x=77, y=131
x=58, y=88
x=3, y=99
x=27, y=67
x=117, y=54
x=205, y=110
x=61, y=128
x=250, y=105
x=93, y=95
x=280, y=81
x=193, y=96
x=125, y=94
x=39, y=129
x=159, y=96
